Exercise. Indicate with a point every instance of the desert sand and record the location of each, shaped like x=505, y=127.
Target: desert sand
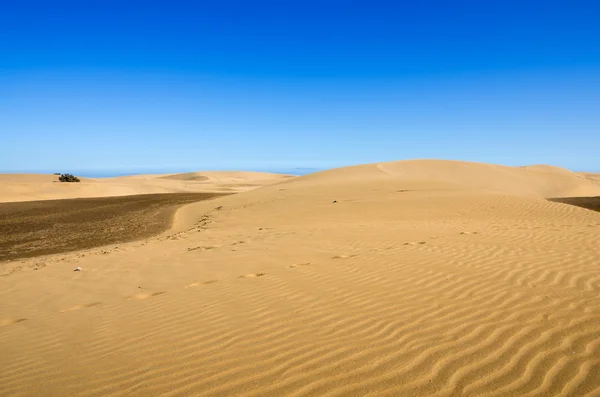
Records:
x=591, y=176
x=27, y=187
x=413, y=278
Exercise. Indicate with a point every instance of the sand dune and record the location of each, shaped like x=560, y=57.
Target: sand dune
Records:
x=538, y=180
x=535, y=181
x=594, y=178
x=415, y=278
x=27, y=187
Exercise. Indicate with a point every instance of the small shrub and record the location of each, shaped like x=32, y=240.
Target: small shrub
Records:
x=68, y=178
x=57, y=173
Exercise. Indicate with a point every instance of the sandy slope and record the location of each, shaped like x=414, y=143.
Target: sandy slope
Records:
x=26, y=187
x=595, y=178
x=418, y=281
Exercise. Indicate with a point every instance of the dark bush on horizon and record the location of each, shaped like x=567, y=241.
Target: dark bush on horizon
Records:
x=68, y=178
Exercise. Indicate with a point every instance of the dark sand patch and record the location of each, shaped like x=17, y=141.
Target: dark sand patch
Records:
x=590, y=203
x=33, y=228
x=188, y=176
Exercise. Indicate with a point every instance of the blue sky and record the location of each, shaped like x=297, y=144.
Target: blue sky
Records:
x=115, y=86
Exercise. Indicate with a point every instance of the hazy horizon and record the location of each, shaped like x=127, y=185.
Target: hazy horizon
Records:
x=116, y=173
x=298, y=171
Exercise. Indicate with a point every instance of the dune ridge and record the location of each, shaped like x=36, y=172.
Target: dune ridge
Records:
x=538, y=180
x=421, y=278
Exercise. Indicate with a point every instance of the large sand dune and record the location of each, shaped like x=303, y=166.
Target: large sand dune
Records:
x=27, y=187
x=416, y=278
x=537, y=181
x=592, y=177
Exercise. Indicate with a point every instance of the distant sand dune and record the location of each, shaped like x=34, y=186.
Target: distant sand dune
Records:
x=539, y=180
x=595, y=178
x=27, y=187
x=535, y=181
x=414, y=278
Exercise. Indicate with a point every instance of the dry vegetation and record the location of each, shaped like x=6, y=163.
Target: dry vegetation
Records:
x=590, y=203
x=35, y=228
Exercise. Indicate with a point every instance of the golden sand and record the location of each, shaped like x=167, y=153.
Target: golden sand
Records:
x=423, y=278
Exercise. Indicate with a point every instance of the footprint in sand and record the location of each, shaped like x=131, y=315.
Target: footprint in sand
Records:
x=469, y=233
x=81, y=307
x=299, y=264
x=11, y=321
x=252, y=275
x=343, y=256
x=415, y=242
x=177, y=236
x=201, y=248
x=145, y=296
x=193, y=285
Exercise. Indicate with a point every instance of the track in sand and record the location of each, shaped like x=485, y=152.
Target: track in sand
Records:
x=420, y=278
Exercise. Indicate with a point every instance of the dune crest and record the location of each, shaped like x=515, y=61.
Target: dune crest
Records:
x=537, y=180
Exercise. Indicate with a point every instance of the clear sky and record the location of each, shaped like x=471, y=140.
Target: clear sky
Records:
x=134, y=86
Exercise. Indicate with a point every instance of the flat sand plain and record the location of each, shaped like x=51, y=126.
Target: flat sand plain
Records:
x=412, y=278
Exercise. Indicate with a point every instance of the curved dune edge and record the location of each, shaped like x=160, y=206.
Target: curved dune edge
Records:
x=534, y=181
x=35, y=229
x=403, y=286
